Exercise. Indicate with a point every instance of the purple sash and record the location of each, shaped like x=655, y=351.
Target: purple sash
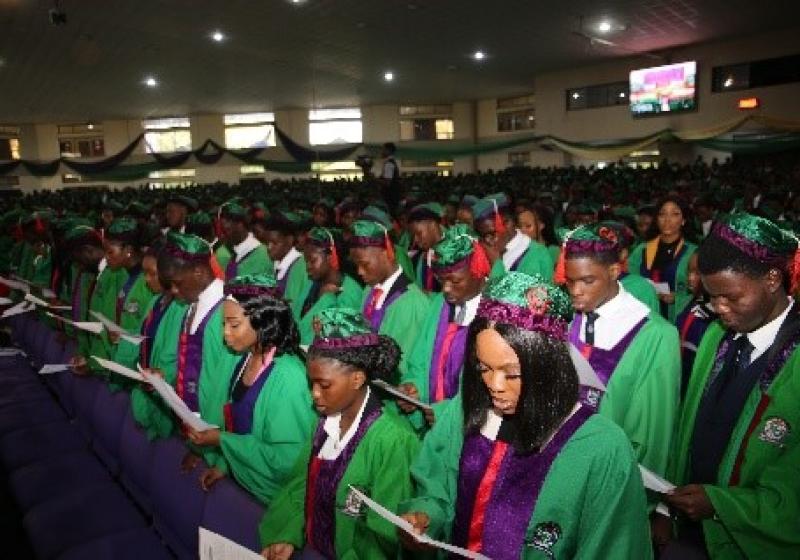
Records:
x=513, y=495
x=242, y=410
x=377, y=315
x=149, y=329
x=454, y=360
x=602, y=361
x=189, y=371
x=77, y=297
x=232, y=268
x=322, y=496
x=283, y=282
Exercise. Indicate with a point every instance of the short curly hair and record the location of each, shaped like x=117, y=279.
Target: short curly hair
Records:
x=271, y=318
x=378, y=361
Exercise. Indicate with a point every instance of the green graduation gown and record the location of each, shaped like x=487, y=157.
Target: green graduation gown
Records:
x=349, y=296
x=402, y=320
x=682, y=293
x=134, y=311
x=758, y=515
x=147, y=408
x=256, y=261
x=223, y=255
x=591, y=503
x=283, y=422
x=379, y=468
x=535, y=260
x=104, y=300
x=296, y=280
x=642, y=290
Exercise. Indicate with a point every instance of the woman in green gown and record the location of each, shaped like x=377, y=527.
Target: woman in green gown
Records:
x=268, y=416
x=356, y=443
x=516, y=467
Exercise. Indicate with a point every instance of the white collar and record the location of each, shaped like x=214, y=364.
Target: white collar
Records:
x=101, y=266
x=763, y=337
x=282, y=266
x=386, y=286
x=245, y=247
x=472, y=309
x=616, y=318
x=206, y=301
x=491, y=427
x=335, y=442
x=515, y=248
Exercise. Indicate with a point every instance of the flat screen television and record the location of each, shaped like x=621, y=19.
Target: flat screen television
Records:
x=664, y=89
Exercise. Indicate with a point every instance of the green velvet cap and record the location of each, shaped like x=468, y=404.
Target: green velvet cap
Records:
x=375, y=214
x=428, y=211
x=455, y=248
x=757, y=237
x=485, y=208
x=341, y=328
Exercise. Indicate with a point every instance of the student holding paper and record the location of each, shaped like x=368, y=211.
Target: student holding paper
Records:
x=204, y=363
x=665, y=256
x=268, y=416
x=329, y=286
x=516, y=467
x=737, y=452
x=633, y=350
x=84, y=247
x=356, y=443
x=434, y=367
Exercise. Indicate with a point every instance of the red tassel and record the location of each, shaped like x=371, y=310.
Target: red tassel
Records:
x=218, y=228
x=479, y=264
x=39, y=226
x=335, y=265
x=215, y=267
x=388, y=245
x=560, y=275
x=499, y=225
x=794, y=273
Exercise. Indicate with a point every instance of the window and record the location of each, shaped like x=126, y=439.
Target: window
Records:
x=9, y=142
x=249, y=130
x=334, y=170
x=519, y=159
x=758, y=73
x=170, y=178
x=516, y=113
x=334, y=126
x=83, y=140
x=592, y=97
x=71, y=178
x=167, y=135
x=248, y=170
x=426, y=129
x=425, y=110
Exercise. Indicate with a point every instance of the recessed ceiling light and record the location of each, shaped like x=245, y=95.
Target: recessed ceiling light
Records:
x=388, y=76
x=150, y=81
x=479, y=55
x=218, y=36
x=604, y=26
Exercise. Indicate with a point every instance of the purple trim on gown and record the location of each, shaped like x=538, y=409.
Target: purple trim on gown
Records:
x=328, y=478
x=194, y=360
x=149, y=329
x=377, y=315
x=514, y=494
x=455, y=357
x=242, y=410
x=604, y=362
x=283, y=282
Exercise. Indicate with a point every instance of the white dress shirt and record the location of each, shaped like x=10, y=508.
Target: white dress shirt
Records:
x=471, y=306
x=515, y=248
x=282, y=266
x=336, y=442
x=763, y=337
x=386, y=286
x=205, y=302
x=245, y=247
x=616, y=318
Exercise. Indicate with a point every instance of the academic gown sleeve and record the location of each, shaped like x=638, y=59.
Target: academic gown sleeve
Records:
x=403, y=321
x=642, y=396
x=435, y=471
x=537, y=260
x=219, y=363
x=257, y=262
x=137, y=305
x=296, y=283
x=282, y=424
x=643, y=290
x=104, y=300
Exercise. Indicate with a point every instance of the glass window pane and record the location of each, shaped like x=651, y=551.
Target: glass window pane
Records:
x=334, y=132
x=168, y=141
x=250, y=118
x=444, y=129
x=328, y=114
x=258, y=136
x=166, y=123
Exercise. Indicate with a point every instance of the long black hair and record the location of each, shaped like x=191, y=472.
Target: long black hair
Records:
x=687, y=231
x=549, y=384
x=271, y=318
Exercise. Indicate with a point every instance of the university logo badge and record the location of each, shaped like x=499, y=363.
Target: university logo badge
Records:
x=132, y=307
x=593, y=397
x=775, y=431
x=545, y=536
x=353, y=505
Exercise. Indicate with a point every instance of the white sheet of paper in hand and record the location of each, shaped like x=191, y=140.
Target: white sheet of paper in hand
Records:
x=20, y=308
x=587, y=376
x=119, y=369
x=48, y=293
x=5, y=301
x=177, y=405
x=15, y=284
x=654, y=482
x=217, y=547
x=112, y=327
x=661, y=287
x=10, y=351
x=400, y=394
x=36, y=301
x=398, y=521
x=53, y=368
x=89, y=326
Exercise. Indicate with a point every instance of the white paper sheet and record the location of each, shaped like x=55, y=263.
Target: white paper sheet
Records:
x=19, y=309
x=400, y=394
x=119, y=369
x=6, y=301
x=177, y=405
x=48, y=293
x=53, y=368
x=217, y=547
x=15, y=284
x=654, y=482
x=112, y=327
x=10, y=351
x=587, y=376
x=42, y=303
x=398, y=521
x=89, y=326
x=661, y=287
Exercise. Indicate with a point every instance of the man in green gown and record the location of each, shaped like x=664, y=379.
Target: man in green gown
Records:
x=736, y=457
x=248, y=255
x=425, y=226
